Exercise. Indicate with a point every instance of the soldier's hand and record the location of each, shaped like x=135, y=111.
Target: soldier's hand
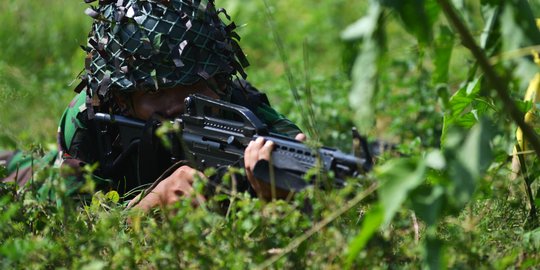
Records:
x=171, y=189
x=255, y=151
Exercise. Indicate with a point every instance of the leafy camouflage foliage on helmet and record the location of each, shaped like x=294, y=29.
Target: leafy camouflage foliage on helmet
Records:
x=152, y=44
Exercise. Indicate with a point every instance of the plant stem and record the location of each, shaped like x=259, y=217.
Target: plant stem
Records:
x=492, y=77
x=528, y=181
x=319, y=226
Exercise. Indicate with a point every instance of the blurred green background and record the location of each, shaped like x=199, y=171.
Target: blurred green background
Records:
x=40, y=59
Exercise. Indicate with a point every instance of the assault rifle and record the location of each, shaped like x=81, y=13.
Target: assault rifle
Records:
x=215, y=133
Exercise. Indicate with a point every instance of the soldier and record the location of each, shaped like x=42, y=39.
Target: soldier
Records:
x=143, y=59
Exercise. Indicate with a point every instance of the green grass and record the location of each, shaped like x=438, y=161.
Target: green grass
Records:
x=39, y=59
x=42, y=227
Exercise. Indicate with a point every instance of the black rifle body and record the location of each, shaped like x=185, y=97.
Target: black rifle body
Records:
x=215, y=133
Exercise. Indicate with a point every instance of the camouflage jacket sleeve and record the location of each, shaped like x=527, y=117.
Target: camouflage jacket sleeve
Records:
x=19, y=166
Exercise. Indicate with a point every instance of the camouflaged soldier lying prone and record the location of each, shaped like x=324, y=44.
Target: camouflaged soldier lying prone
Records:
x=143, y=59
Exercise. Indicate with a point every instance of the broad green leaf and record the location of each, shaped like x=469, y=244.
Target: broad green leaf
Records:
x=476, y=152
x=491, y=36
x=435, y=159
x=418, y=17
x=365, y=26
x=459, y=103
x=372, y=221
x=518, y=26
x=427, y=203
x=89, y=186
x=471, y=160
x=444, y=43
x=364, y=72
x=463, y=98
x=459, y=4
x=524, y=105
x=112, y=196
x=398, y=177
x=467, y=120
x=97, y=199
x=364, y=84
x=519, y=30
x=473, y=88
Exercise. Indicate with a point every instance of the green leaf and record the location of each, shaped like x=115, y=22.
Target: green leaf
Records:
x=418, y=17
x=473, y=88
x=459, y=103
x=112, y=196
x=444, y=44
x=398, y=177
x=89, y=186
x=491, y=36
x=467, y=120
x=519, y=30
x=365, y=26
x=518, y=26
x=97, y=199
x=468, y=161
x=365, y=70
x=372, y=221
x=427, y=203
x=475, y=154
x=463, y=98
x=435, y=159
x=364, y=77
x=524, y=105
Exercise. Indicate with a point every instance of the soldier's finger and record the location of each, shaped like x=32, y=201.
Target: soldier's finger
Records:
x=251, y=154
x=183, y=176
x=259, y=142
x=248, y=155
x=266, y=150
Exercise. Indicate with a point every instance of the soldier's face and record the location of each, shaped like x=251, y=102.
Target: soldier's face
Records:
x=168, y=103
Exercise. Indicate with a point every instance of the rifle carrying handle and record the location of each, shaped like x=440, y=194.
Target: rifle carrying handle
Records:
x=199, y=106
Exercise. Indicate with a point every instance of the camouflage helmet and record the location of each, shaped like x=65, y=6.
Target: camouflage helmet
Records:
x=153, y=44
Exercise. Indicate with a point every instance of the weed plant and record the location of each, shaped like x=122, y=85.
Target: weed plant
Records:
x=444, y=198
